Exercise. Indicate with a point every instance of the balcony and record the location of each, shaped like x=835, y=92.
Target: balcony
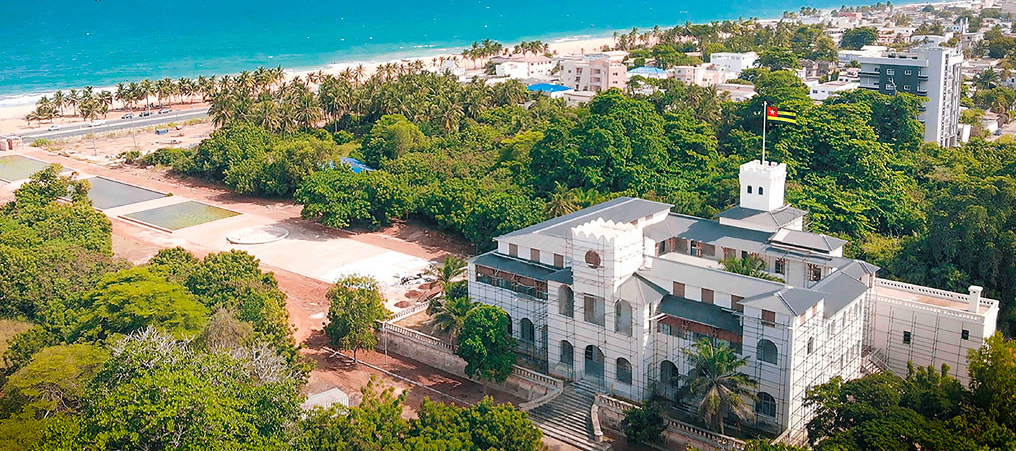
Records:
x=922, y=77
x=868, y=72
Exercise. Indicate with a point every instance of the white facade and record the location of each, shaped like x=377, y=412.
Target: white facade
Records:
x=704, y=74
x=822, y=91
x=614, y=294
x=734, y=62
x=523, y=67
x=932, y=72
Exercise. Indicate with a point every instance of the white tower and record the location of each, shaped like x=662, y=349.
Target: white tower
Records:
x=762, y=185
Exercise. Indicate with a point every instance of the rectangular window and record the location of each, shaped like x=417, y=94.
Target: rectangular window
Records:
x=661, y=248
x=593, y=311
x=707, y=296
x=814, y=273
x=559, y=260
x=780, y=266
x=534, y=255
x=965, y=334
x=735, y=303
x=906, y=337
x=678, y=289
x=768, y=316
x=890, y=72
x=729, y=253
x=513, y=250
x=696, y=249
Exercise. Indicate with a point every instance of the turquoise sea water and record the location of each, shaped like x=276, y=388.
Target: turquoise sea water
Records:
x=59, y=44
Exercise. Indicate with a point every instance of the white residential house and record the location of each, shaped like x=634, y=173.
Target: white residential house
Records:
x=520, y=67
x=613, y=294
x=932, y=72
x=594, y=71
x=822, y=91
x=705, y=74
x=733, y=62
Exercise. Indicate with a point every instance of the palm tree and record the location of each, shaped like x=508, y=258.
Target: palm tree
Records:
x=447, y=271
x=751, y=265
x=59, y=101
x=987, y=79
x=450, y=314
x=561, y=201
x=715, y=385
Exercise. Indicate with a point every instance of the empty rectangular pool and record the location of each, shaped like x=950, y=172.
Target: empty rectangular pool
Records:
x=182, y=215
x=17, y=167
x=106, y=193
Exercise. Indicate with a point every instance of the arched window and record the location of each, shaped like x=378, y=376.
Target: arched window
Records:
x=749, y=189
x=510, y=331
x=593, y=259
x=594, y=362
x=567, y=353
x=669, y=374
x=811, y=345
x=527, y=330
x=623, y=371
x=765, y=404
x=760, y=191
x=622, y=317
x=767, y=351
x=566, y=301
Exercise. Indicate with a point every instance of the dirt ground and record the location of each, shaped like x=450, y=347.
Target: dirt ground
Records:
x=104, y=149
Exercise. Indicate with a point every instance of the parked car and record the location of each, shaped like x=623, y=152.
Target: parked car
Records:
x=165, y=110
x=144, y=114
x=53, y=127
x=97, y=123
x=127, y=116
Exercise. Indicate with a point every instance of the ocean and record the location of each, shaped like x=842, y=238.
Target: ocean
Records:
x=61, y=44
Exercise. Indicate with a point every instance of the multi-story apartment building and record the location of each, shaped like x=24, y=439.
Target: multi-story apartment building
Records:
x=523, y=66
x=594, y=71
x=733, y=62
x=704, y=74
x=615, y=293
x=932, y=72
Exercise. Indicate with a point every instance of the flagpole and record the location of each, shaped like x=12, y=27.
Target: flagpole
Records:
x=765, y=114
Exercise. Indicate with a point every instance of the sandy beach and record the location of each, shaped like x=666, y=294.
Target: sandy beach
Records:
x=12, y=118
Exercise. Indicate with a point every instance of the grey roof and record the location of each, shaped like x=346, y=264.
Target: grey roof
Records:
x=859, y=268
x=840, y=289
x=794, y=300
x=733, y=283
x=621, y=209
x=513, y=265
x=637, y=288
x=561, y=276
x=700, y=312
x=807, y=240
x=707, y=231
x=775, y=219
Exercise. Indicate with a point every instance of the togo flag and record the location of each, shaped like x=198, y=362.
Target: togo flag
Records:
x=774, y=114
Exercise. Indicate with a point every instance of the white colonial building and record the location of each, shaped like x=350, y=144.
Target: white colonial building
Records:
x=613, y=295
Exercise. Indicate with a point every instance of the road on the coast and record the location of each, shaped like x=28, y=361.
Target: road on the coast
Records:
x=112, y=125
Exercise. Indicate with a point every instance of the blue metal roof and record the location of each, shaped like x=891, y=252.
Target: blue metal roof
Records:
x=547, y=87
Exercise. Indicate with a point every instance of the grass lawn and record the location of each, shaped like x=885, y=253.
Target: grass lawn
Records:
x=8, y=329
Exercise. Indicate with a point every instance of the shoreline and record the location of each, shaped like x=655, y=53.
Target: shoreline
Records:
x=13, y=108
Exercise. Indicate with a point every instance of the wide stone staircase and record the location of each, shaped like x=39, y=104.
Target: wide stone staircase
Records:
x=567, y=417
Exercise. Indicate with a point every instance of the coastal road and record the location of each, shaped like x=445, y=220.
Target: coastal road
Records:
x=112, y=125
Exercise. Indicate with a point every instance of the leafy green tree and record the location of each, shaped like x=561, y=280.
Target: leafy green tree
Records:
x=777, y=58
x=340, y=198
x=48, y=185
x=855, y=38
x=356, y=307
x=1001, y=47
x=224, y=332
x=500, y=213
x=391, y=136
x=375, y=424
x=157, y=393
x=484, y=425
x=644, y=423
x=993, y=380
x=486, y=345
x=54, y=381
x=235, y=143
x=133, y=299
x=175, y=264
x=715, y=384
